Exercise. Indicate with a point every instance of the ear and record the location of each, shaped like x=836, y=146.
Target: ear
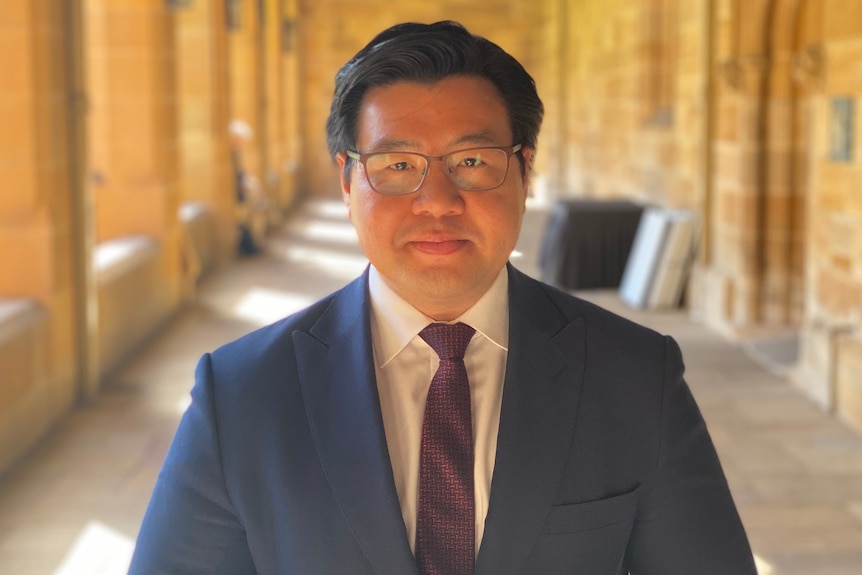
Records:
x=341, y=159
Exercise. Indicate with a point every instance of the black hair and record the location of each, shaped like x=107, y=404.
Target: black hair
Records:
x=428, y=53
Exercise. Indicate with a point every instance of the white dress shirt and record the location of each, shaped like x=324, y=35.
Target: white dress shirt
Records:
x=405, y=364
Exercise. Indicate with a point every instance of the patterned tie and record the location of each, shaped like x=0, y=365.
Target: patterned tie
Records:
x=445, y=524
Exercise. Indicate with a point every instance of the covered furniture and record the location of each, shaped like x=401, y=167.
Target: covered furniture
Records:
x=587, y=242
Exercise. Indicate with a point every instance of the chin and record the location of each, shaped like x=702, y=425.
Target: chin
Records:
x=444, y=282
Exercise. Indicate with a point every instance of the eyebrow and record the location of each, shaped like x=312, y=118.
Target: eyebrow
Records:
x=394, y=145
x=482, y=138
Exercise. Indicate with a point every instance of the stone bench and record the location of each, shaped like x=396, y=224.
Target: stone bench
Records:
x=27, y=404
x=17, y=316
x=200, y=238
x=131, y=294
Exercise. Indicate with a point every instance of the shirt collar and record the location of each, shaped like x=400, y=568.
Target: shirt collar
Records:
x=394, y=322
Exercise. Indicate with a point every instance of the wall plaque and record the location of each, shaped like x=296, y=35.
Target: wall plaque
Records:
x=841, y=130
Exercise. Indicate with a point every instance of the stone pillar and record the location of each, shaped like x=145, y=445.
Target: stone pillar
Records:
x=849, y=379
x=38, y=361
x=205, y=170
x=731, y=278
x=130, y=57
x=833, y=288
x=274, y=80
x=245, y=72
x=133, y=153
x=292, y=158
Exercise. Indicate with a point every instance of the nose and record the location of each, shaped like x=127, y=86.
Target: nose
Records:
x=438, y=196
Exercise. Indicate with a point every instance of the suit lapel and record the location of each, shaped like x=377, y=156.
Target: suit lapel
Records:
x=339, y=385
x=542, y=386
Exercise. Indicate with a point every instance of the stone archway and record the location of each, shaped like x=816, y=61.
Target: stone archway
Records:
x=830, y=337
x=784, y=119
x=794, y=63
x=767, y=66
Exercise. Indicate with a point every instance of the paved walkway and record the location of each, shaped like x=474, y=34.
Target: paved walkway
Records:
x=74, y=505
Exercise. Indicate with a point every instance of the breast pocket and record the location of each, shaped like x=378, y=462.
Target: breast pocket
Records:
x=591, y=515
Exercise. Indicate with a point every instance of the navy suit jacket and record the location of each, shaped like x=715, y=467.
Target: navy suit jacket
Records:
x=604, y=465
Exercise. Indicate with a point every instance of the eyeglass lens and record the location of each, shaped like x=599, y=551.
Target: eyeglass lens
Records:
x=469, y=170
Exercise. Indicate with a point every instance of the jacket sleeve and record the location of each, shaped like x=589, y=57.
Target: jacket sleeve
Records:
x=687, y=521
x=190, y=526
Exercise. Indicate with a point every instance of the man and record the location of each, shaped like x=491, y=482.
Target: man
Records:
x=309, y=446
x=248, y=211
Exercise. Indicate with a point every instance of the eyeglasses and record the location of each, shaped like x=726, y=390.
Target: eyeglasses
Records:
x=471, y=170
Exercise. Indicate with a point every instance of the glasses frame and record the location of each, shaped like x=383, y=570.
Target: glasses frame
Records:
x=361, y=158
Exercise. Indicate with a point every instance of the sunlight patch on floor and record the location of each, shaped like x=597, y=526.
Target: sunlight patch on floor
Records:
x=183, y=404
x=98, y=550
x=336, y=264
x=263, y=306
x=763, y=567
x=326, y=208
x=323, y=231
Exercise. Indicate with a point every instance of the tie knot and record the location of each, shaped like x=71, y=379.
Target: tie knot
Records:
x=448, y=340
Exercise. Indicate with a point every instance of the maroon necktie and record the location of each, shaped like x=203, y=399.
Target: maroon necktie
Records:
x=445, y=524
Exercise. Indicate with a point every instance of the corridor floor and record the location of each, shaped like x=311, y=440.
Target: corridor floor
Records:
x=73, y=506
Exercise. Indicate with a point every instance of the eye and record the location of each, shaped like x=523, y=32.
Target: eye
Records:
x=395, y=162
x=472, y=161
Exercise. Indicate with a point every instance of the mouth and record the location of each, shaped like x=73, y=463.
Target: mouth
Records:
x=439, y=247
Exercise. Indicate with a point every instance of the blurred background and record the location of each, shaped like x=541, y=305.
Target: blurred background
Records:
x=148, y=145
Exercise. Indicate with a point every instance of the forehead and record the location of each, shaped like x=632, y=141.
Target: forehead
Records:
x=457, y=110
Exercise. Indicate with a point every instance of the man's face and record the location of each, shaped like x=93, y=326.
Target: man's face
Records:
x=439, y=248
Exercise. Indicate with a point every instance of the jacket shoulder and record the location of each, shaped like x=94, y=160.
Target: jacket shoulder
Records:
x=597, y=319
x=273, y=344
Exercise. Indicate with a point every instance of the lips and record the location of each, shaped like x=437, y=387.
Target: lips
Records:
x=438, y=247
